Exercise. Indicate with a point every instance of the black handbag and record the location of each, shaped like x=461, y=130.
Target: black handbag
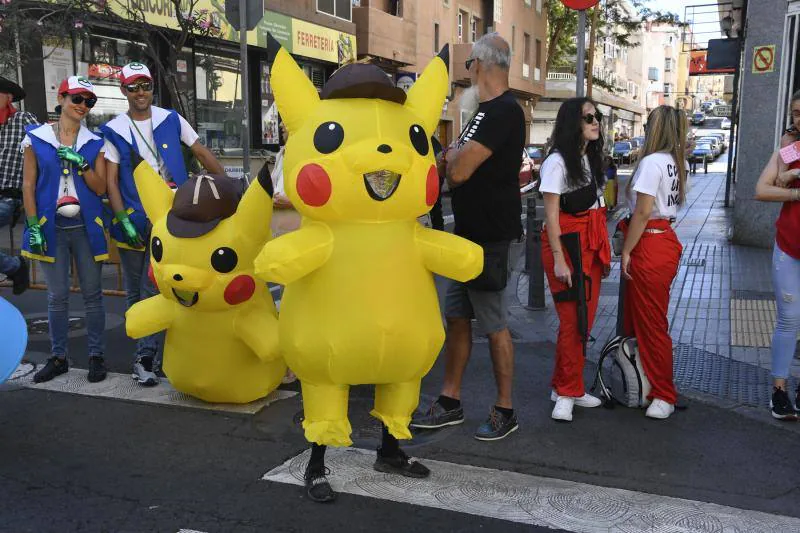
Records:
x=495, y=268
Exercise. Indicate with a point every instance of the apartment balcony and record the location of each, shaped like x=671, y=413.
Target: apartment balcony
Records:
x=386, y=36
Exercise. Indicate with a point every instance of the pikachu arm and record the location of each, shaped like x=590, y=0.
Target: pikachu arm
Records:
x=149, y=316
x=257, y=327
x=296, y=254
x=448, y=255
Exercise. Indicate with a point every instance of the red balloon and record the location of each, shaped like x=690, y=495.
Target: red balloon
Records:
x=580, y=4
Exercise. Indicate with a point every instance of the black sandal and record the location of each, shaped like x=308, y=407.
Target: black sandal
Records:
x=317, y=487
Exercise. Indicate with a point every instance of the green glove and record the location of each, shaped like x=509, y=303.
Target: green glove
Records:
x=35, y=237
x=132, y=236
x=68, y=154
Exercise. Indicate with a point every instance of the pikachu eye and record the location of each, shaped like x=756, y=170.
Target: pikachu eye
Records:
x=328, y=137
x=224, y=260
x=156, y=249
x=418, y=139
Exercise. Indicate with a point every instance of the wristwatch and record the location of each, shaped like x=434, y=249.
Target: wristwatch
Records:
x=84, y=166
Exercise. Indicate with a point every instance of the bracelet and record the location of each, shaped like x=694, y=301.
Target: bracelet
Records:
x=795, y=195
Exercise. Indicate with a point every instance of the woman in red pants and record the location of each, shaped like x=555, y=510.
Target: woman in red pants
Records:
x=571, y=182
x=651, y=252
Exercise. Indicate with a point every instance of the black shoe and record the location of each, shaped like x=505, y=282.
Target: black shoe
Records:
x=97, y=369
x=21, y=277
x=780, y=405
x=497, y=426
x=399, y=463
x=438, y=417
x=317, y=487
x=55, y=367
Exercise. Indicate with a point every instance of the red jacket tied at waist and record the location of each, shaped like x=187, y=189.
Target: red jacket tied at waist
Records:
x=594, y=235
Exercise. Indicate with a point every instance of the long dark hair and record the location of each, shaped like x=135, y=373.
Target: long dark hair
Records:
x=568, y=140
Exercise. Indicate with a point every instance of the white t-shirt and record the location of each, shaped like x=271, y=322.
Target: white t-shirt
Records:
x=66, y=186
x=553, y=177
x=657, y=176
x=145, y=140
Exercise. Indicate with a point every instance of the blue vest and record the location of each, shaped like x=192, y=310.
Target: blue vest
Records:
x=167, y=136
x=48, y=187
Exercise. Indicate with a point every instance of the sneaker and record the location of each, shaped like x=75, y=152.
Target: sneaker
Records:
x=97, y=369
x=55, y=367
x=438, y=417
x=21, y=277
x=497, y=426
x=661, y=409
x=143, y=372
x=563, y=409
x=401, y=464
x=780, y=406
x=587, y=400
x=318, y=489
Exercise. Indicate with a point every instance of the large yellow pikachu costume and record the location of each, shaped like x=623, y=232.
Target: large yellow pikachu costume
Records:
x=221, y=324
x=360, y=305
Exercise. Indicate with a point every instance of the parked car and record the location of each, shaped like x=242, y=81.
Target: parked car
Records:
x=716, y=147
x=726, y=123
x=698, y=118
x=637, y=144
x=703, y=153
x=722, y=141
x=622, y=151
x=536, y=152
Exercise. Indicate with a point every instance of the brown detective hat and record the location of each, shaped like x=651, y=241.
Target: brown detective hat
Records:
x=201, y=203
x=362, y=80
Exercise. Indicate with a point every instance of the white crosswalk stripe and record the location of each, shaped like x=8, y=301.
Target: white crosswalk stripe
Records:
x=533, y=500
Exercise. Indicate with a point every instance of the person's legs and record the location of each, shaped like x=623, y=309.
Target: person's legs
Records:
x=90, y=278
x=458, y=343
x=56, y=276
x=8, y=264
x=491, y=312
x=786, y=281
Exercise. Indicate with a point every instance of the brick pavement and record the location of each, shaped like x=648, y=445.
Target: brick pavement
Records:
x=721, y=313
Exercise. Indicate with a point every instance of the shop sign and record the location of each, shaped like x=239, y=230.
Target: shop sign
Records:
x=698, y=65
x=319, y=42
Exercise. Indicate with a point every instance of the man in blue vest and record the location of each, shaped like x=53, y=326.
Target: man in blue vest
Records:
x=156, y=135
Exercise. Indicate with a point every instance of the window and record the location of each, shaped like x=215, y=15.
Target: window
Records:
x=538, y=6
x=336, y=8
x=219, y=101
x=461, y=16
x=474, y=29
x=526, y=55
x=652, y=74
x=435, y=38
x=667, y=64
x=537, y=73
x=667, y=89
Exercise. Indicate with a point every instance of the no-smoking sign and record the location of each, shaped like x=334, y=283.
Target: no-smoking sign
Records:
x=763, y=59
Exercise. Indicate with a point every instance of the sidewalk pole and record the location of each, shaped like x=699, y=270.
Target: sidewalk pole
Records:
x=581, y=59
x=621, y=305
x=245, y=91
x=533, y=256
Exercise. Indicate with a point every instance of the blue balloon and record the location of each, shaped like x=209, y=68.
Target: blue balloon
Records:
x=14, y=335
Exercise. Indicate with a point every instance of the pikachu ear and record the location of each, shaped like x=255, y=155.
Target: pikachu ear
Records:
x=155, y=194
x=427, y=95
x=254, y=214
x=295, y=95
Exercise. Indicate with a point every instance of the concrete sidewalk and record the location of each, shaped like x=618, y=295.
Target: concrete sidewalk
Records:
x=722, y=311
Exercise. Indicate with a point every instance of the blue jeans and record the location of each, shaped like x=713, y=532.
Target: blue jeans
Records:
x=139, y=287
x=74, y=243
x=8, y=264
x=786, y=282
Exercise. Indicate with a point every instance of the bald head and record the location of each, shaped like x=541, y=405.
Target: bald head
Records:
x=492, y=51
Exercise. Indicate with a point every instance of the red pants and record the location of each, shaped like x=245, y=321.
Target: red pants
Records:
x=596, y=256
x=653, y=266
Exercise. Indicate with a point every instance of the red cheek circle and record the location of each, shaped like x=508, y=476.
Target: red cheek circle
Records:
x=240, y=290
x=152, y=276
x=314, y=185
x=432, y=187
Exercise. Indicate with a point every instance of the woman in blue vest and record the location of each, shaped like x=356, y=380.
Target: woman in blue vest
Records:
x=63, y=180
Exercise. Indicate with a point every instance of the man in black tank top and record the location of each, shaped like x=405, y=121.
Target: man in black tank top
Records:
x=482, y=170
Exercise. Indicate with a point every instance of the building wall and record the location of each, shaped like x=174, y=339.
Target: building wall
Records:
x=307, y=10
x=753, y=221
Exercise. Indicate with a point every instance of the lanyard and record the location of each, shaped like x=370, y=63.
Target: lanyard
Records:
x=151, y=148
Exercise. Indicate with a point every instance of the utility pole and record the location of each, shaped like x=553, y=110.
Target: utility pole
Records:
x=592, y=44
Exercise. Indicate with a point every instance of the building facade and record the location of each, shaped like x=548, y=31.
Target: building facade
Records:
x=402, y=36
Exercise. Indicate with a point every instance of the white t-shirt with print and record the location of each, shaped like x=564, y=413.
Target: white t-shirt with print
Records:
x=553, y=177
x=657, y=176
x=145, y=140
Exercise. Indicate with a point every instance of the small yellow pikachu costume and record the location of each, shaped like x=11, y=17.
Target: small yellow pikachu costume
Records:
x=360, y=304
x=222, y=328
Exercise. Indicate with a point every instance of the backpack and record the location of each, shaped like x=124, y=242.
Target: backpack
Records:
x=622, y=369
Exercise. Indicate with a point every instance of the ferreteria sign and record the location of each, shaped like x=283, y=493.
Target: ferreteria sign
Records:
x=295, y=35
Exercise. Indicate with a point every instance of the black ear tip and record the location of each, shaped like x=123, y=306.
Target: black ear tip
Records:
x=444, y=54
x=273, y=46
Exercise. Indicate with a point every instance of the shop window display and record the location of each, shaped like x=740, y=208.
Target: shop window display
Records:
x=219, y=101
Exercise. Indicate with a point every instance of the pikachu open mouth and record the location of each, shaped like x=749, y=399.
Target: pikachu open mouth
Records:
x=186, y=298
x=381, y=184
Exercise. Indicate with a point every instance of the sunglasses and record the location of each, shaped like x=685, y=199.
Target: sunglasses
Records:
x=79, y=99
x=589, y=119
x=468, y=63
x=146, y=86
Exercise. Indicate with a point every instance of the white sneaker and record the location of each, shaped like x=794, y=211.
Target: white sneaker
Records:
x=563, y=409
x=587, y=400
x=660, y=409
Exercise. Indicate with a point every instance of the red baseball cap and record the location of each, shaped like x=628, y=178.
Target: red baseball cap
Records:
x=76, y=85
